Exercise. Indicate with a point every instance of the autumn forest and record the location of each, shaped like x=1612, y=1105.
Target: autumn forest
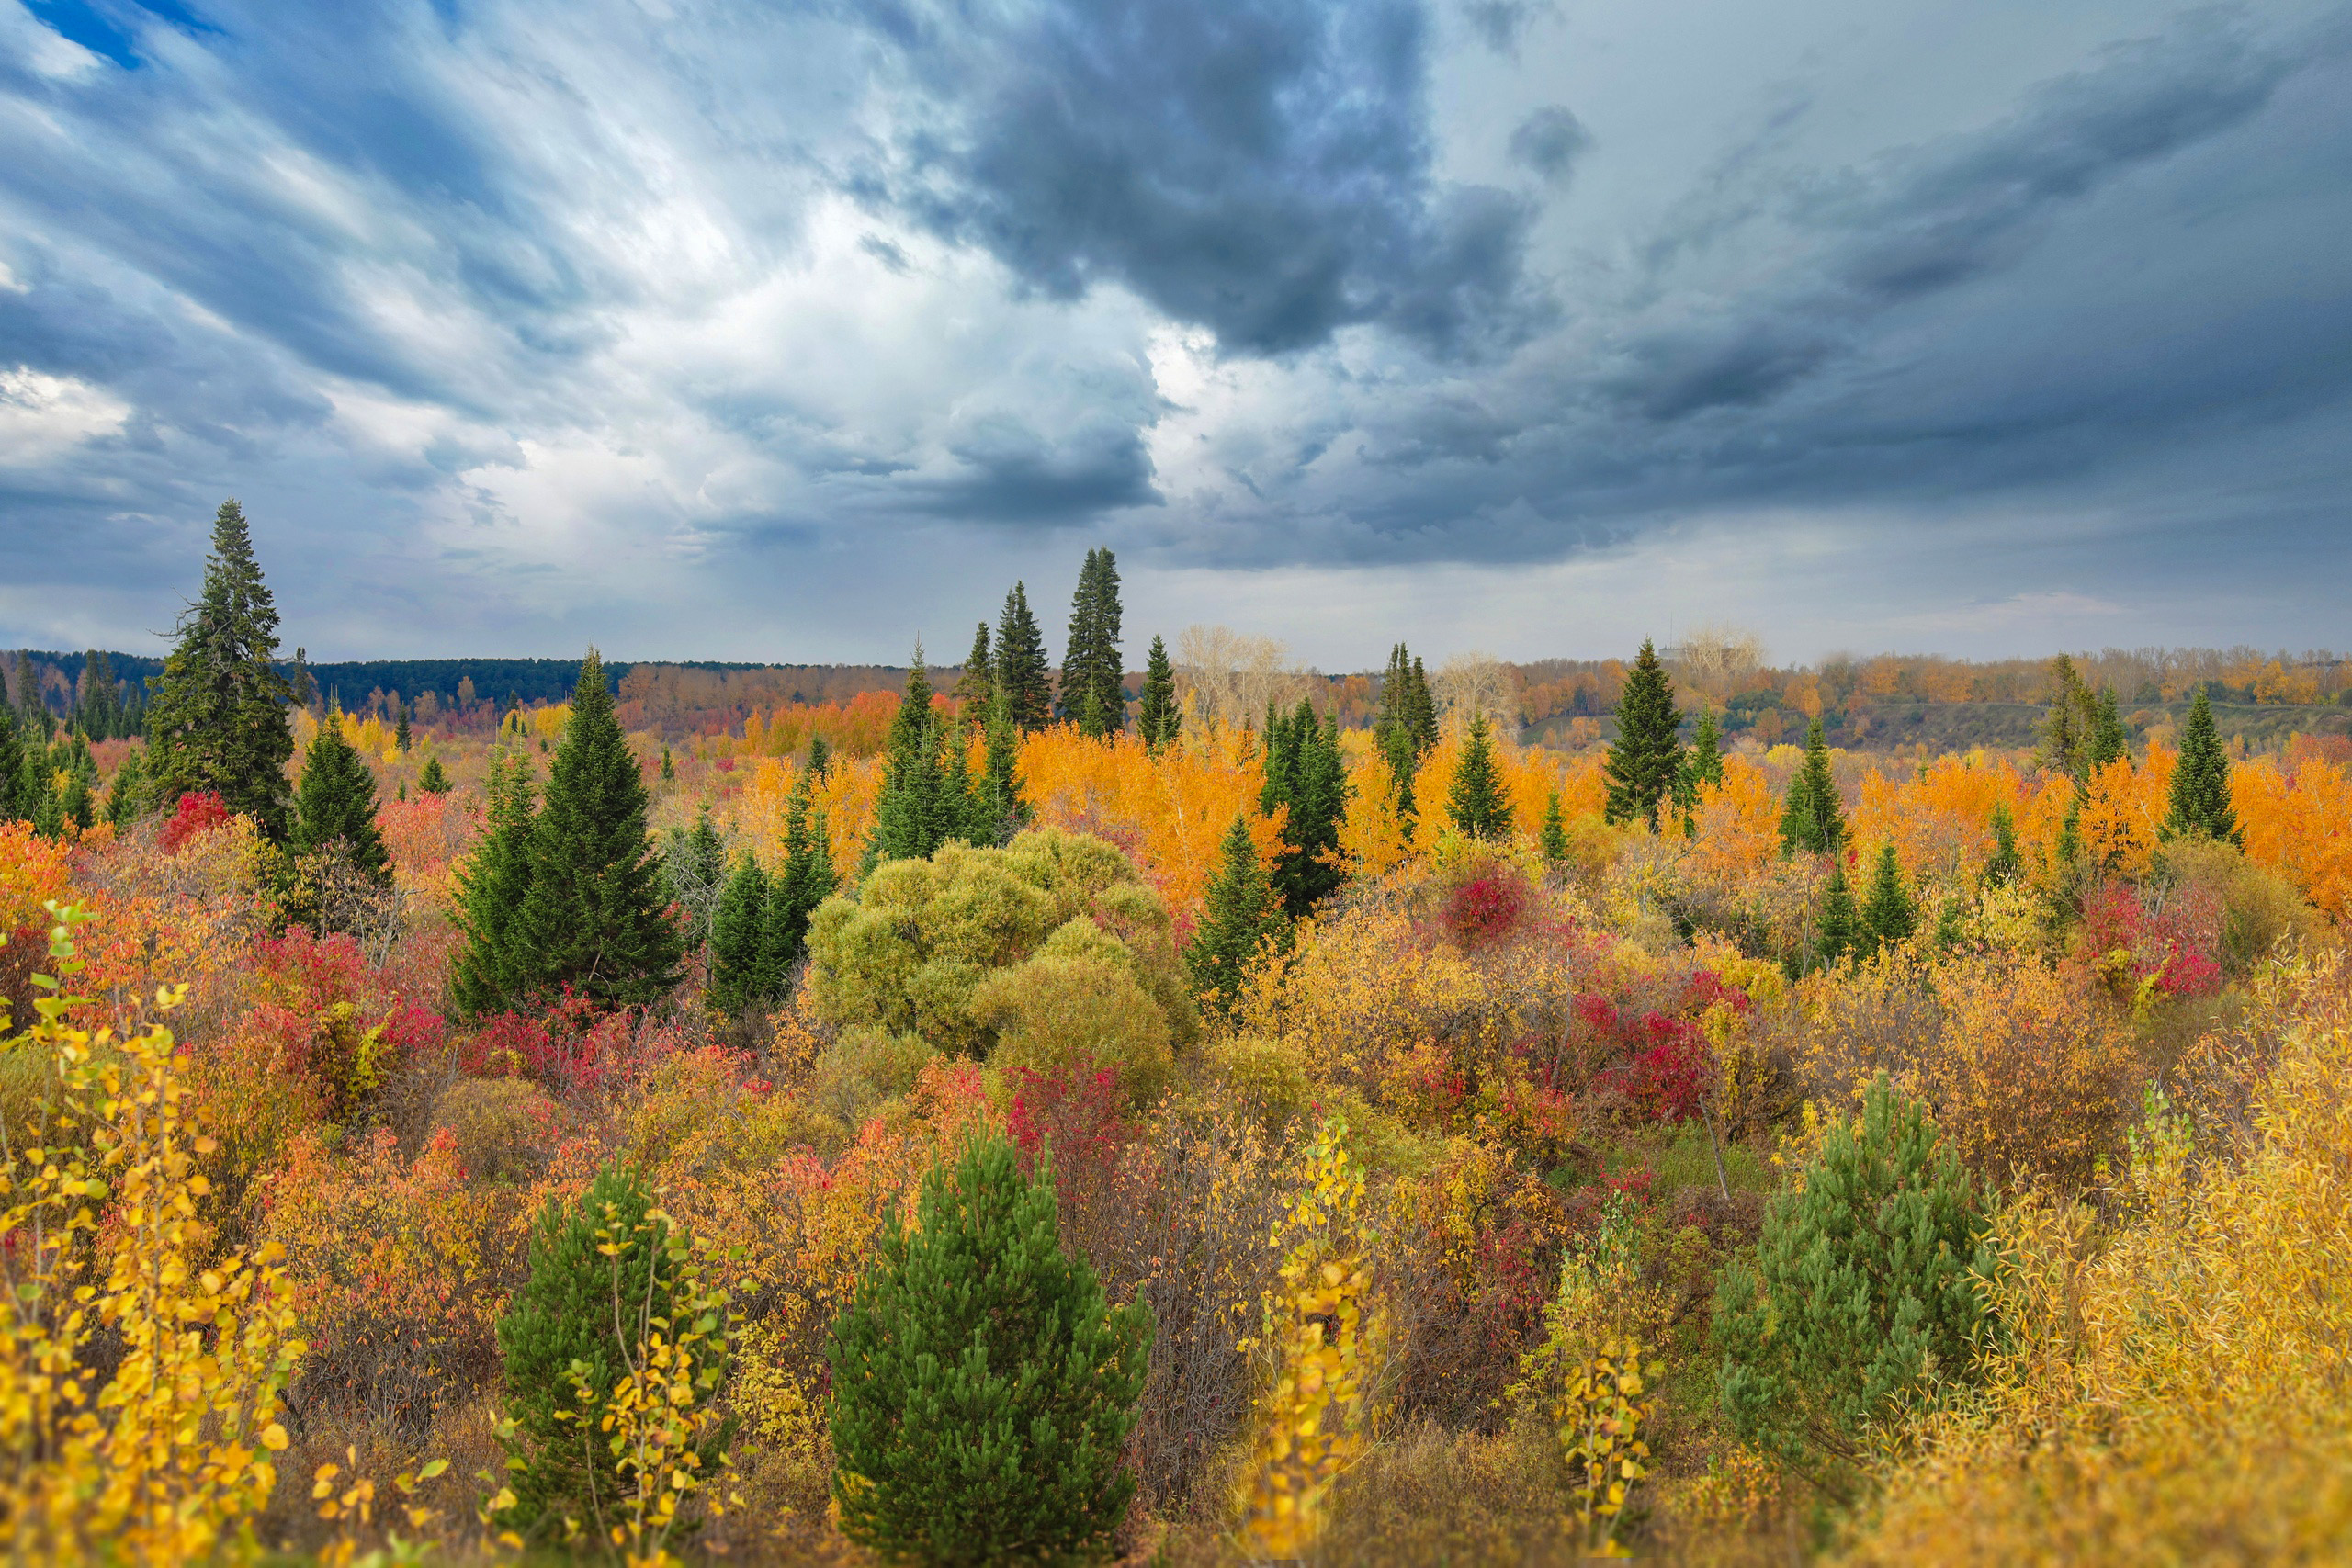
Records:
x=1124, y=1096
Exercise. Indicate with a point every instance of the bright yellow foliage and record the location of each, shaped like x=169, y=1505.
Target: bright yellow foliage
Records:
x=166, y=1459
x=2178, y=1396
x=1325, y=1334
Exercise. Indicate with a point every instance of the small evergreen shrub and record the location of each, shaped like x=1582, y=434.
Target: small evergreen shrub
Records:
x=982, y=1388
x=1859, y=1300
x=566, y=1312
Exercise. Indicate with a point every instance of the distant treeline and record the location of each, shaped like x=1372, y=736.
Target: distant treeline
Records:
x=1888, y=700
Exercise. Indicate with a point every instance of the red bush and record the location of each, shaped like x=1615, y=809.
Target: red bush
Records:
x=1487, y=908
x=1077, y=1114
x=197, y=815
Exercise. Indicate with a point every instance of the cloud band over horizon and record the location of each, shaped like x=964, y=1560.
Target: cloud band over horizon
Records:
x=791, y=332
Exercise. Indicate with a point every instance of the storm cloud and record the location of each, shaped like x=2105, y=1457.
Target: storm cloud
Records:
x=751, y=330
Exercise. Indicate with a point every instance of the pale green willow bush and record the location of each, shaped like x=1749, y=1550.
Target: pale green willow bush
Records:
x=1049, y=953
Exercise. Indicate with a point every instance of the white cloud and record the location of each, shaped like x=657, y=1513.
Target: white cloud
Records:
x=44, y=416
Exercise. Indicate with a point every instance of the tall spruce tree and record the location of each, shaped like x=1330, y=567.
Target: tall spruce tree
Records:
x=806, y=881
x=1093, y=689
x=976, y=682
x=821, y=757
x=1889, y=915
x=1021, y=662
x=217, y=721
x=983, y=1386
x=401, y=735
x=1406, y=727
x=1243, y=917
x=594, y=921
x=1814, y=819
x=1646, y=761
x=1476, y=804
x=1304, y=774
x=693, y=865
x=432, y=779
x=491, y=884
x=1000, y=787
x=2110, y=739
x=1157, y=718
x=909, y=816
x=2201, y=780
x=99, y=707
x=2070, y=730
x=335, y=806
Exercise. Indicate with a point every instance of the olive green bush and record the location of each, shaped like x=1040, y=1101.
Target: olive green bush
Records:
x=1046, y=953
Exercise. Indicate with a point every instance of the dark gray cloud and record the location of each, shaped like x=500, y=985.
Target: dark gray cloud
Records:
x=1259, y=167
x=1550, y=141
x=539, y=319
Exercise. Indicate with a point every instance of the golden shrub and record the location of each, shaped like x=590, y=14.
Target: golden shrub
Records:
x=2178, y=1394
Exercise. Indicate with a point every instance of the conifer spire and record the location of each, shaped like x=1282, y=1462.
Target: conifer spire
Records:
x=1021, y=662
x=1243, y=917
x=1646, y=762
x=595, y=921
x=2201, y=780
x=334, y=808
x=218, y=720
x=1814, y=820
x=1475, y=805
x=1158, y=719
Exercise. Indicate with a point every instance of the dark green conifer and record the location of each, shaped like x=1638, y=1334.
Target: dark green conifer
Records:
x=402, y=736
x=1020, y=664
x=1158, y=719
x=127, y=795
x=1555, y=831
x=999, y=788
x=976, y=682
x=432, y=779
x=1949, y=931
x=491, y=884
x=2110, y=740
x=821, y=757
x=1476, y=804
x=1646, y=759
x=595, y=921
x=1707, y=751
x=1304, y=774
x=1243, y=917
x=806, y=882
x=217, y=719
x=1814, y=820
x=1407, y=725
x=1861, y=1302
x=1889, y=915
x=669, y=768
x=2004, y=864
x=1838, y=927
x=334, y=808
x=2201, y=780
x=1093, y=686
x=570, y=1310
x=15, y=803
x=908, y=823
x=983, y=1387
x=739, y=965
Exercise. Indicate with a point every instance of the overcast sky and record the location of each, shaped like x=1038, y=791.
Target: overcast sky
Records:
x=791, y=332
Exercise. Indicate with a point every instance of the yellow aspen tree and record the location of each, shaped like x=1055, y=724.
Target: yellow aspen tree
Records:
x=1324, y=1336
